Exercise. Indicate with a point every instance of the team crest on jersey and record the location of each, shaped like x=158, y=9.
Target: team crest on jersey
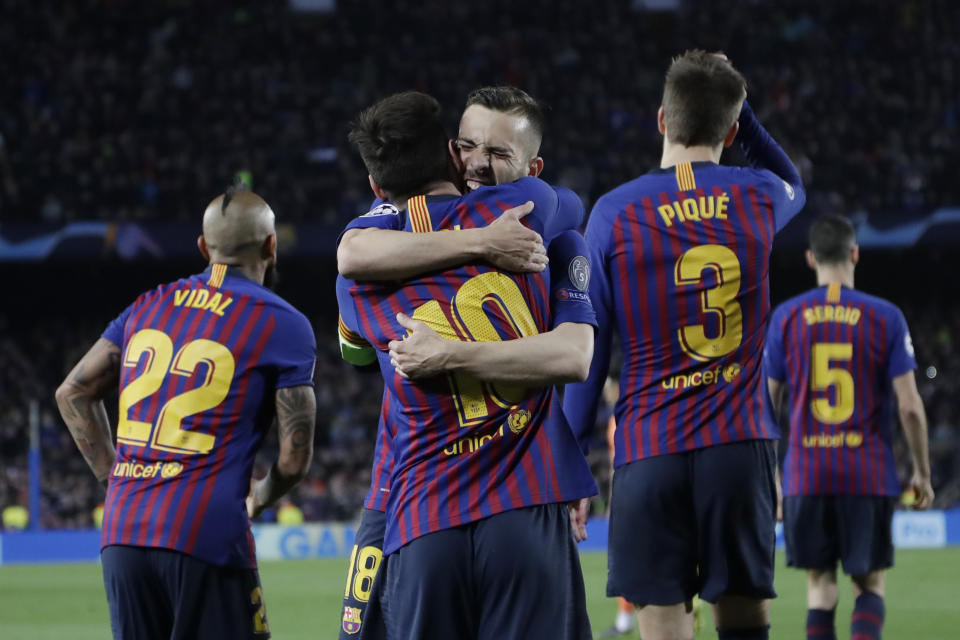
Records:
x=171, y=469
x=518, y=420
x=579, y=273
x=383, y=209
x=854, y=439
x=351, y=619
x=732, y=371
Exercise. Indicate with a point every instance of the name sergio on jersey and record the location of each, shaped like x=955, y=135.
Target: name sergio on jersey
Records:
x=831, y=313
x=517, y=421
x=703, y=378
x=695, y=209
x=150, y=470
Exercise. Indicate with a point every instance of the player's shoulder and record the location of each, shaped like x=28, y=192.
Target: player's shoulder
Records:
x=882, y=305
x=527, y=188
x=793, y=304
x=764, y=179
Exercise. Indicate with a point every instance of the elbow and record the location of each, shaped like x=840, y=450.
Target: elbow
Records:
x=911, y=415
x=295, y=468
x=581, y=356
x=349, y=262
x=63, y=393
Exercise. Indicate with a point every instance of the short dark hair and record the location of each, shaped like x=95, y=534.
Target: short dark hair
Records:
x=402, y=142
x=702, y=97
x=512, y=100
x=831, y=238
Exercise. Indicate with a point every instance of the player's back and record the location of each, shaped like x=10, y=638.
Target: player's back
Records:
x=201, y=360
x=837, y=350
x=688, y=249
x=464, y=450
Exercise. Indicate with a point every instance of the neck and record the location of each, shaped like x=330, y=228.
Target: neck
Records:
x=674, y=154
x=253, y=270
x=841, y=274
x=438, y=188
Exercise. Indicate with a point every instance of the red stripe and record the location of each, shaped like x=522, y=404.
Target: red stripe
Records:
x=868, y=617
x=631, y=425
x=863, y=636
x=265, y=334
x=161, y=517
x=120, y=532
x=183, y=505
x=154, y=526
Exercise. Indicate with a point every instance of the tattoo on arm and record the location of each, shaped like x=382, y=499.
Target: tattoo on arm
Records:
x=296, y=417
x=80, y=400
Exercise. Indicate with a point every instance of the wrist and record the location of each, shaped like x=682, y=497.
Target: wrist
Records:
x=476, y=243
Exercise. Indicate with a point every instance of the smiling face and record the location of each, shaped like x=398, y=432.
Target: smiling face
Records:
x=496, y=147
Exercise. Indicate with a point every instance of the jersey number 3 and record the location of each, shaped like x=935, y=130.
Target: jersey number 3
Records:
x=719, y=300
x=165, y=432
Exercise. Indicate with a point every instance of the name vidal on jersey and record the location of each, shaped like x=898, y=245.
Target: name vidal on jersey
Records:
x=201, y=299
x=695, y=209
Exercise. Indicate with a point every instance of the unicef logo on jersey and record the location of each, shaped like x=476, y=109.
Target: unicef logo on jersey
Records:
x=518, y=420
x=579, y=273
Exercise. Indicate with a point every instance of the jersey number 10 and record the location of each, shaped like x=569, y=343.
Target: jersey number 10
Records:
x=472, y=324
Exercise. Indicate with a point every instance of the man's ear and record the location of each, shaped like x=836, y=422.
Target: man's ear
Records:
x=731, y=134
x=202, y=245
x=455, y=156
x=811, y=261
x=377, y=191
x=855, y=254
x=535, y=167
x=269, y=247
x=662, y=121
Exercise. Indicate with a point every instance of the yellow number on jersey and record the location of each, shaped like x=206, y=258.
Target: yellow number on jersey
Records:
x=720, y=300
x=491, y=289
x=367, y=563
x=168, y=435
x=823, y=377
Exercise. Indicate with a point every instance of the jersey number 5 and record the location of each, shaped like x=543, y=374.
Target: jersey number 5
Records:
x=165, y=432
x=823, y=376
x=719, y=301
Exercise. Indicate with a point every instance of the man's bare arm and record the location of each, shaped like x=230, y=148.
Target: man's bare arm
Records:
x=382, y=254
x=914, y=421
x=80, y=400
x=296, y=419
x=559, y=356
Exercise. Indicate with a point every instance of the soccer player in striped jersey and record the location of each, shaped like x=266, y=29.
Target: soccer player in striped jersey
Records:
x=499, y=141
x=476, y=514
x=203, y=364
x=680, y=258
x=840, y=355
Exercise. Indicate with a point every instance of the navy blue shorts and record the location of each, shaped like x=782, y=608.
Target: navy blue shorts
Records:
x=362, y=614
x=856, y=530
x=701, y=521
x=513, y=576
x=159, y=594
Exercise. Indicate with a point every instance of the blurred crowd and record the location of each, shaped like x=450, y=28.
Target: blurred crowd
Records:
x=123, y=110
x=34, y=363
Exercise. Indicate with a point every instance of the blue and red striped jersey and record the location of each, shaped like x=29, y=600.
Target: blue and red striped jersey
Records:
x=202, y=359
x=838, y=350
x=376, y=498
x=681, y=258
x=464, y=450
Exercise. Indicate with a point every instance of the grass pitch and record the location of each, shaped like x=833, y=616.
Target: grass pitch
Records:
x=303, y=599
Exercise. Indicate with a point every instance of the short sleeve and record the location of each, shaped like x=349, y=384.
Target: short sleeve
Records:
x=773, y=352
x=382, y=215
x=570, y=280
x=902, y=358
x=114, y=330
x=294, y=349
